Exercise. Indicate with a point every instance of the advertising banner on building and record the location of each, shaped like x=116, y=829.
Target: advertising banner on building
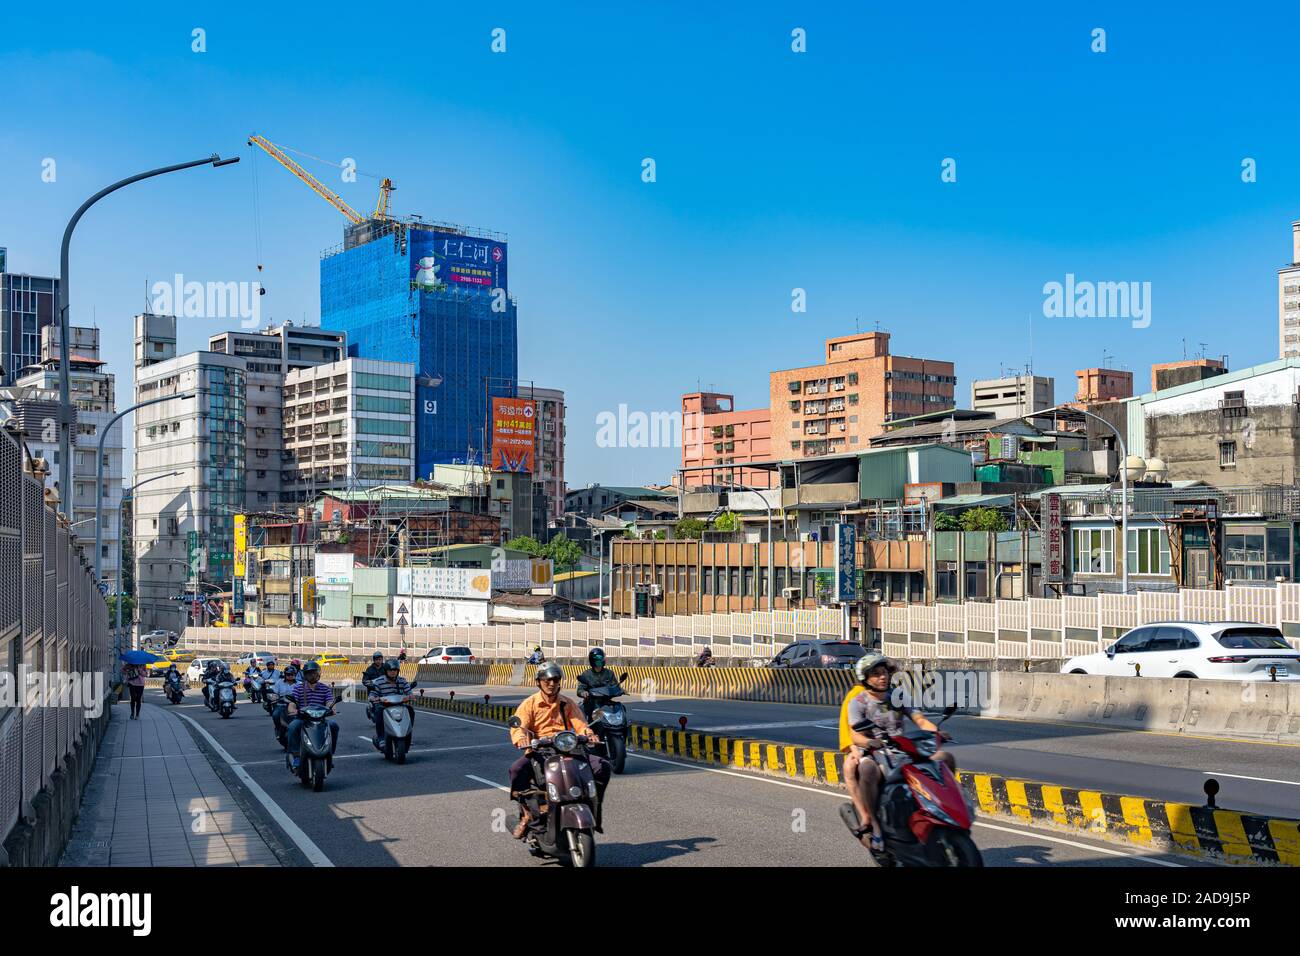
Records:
x=846, y=563
x=468, y=583
x=241, y=545
x=514, y=428
x=440, y=260
x=443, y=612
x=334, y=569
x=1054, y=570
x=523, y=574
x=309, y=595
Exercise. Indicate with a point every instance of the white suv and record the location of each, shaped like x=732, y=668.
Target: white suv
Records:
x=1217, y=650
x=448, y=655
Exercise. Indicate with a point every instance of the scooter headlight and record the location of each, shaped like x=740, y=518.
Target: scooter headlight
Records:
x=614, y=718
x=575, y=792
x=591, y=789
x=553, y=791
x=566, y=741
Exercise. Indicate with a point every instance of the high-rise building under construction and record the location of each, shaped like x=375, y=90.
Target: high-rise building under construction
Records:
x=435, y=296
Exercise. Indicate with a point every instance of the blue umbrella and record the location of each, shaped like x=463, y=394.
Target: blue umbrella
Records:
x=139, y=657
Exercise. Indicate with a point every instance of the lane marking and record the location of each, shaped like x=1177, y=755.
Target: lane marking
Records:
x=315, y=855
x=1238, y=776
x=775, y=725
x=674, y=713
x=488, y=782
x=844, y=796
x=423, y=750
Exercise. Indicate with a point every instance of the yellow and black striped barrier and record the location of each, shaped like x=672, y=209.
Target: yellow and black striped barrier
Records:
x=807, y=685
x=1205, y=831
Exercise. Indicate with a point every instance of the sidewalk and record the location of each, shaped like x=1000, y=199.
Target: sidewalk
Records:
x=154, y=800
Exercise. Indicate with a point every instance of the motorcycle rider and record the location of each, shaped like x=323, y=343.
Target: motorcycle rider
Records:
x=211, y=673
x=390, y=681
x=545, y=714
x=370, y=674
x=310, y=693
x=173, y=676
x=705, y=659
x=597, y=675
x=537, y=657
x=284, y=686
x=873, y=702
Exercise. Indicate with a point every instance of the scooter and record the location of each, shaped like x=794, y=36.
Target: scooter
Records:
x=254, y=687
x=173, y=689
x=210, y=693
x=314, y=758
x=225, y=697
x=609, y=721
x=562, y=801
x=398, y=726
x=924, y=816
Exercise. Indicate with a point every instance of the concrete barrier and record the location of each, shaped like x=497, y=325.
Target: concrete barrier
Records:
x=1200, y=831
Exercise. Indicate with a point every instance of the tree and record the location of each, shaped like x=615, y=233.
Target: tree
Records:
x=530, y=545
x=946, y=521
x=983, y=519
x=565, y=553
x=727, y=521
x=690, y=529
x=128, y=607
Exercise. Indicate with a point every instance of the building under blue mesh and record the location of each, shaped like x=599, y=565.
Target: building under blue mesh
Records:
x=410, y=292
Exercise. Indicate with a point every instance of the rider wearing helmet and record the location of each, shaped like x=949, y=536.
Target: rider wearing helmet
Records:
x=546, y=714
x=310, y=693
x=537, y=657
x=376, y=668
x=596, y=675
x=872, y=702
x=390, y=681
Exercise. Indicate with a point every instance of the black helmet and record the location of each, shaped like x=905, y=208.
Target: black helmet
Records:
x=290, y=671
x=392, y=664
x=549, y=670
x=377, y=656
x=311, y=667
x=596, y=654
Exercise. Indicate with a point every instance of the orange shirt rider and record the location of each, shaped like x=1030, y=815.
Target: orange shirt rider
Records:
x=543, y=716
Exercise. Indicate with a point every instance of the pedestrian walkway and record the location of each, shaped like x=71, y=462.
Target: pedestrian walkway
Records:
x=154, y=800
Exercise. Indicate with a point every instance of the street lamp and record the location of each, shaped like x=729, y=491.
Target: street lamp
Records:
x=1123, y=479
x=65, y=404
x=600, y=570
x=771, y=580
x=121, y=509
x=99, y=477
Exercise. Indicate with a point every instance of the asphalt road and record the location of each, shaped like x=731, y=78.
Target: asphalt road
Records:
x=1253, y=777
x=447, y=805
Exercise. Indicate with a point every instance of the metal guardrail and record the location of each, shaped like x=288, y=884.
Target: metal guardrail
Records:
x=53, y=622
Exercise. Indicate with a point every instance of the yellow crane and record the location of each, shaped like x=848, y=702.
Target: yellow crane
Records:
x=334, y=199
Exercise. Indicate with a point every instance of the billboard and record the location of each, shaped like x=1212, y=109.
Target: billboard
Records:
x=1055, y=570
x=514, y=426
x=846, y=563
x=241, y=545
x=473, y=583
x=440, y=260
x=441, y=612
x=333, y=569
x=522, y=574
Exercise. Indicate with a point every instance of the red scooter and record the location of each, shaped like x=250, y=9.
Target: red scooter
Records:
x=922, y=812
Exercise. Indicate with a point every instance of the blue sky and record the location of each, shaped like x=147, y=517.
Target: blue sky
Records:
x=775, y=171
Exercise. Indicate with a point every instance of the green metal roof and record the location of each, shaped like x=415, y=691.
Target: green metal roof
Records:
x=972, y=501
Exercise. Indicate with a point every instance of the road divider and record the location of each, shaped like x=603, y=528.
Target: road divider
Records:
x=1210, y=832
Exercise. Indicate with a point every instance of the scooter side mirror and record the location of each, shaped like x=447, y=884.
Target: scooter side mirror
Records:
x=514, y=722
x=949, y=711
x=622, y=677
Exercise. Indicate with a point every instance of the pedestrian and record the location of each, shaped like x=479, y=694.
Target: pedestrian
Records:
x=133, y=674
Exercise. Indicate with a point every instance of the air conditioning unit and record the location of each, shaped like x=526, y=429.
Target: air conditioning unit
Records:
x=656, y=591
x=792, y=594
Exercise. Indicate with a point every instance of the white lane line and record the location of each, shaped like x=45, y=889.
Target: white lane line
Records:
x=842, y=796
x=675, y=713
x=1237, y=776
x=422, y=750
x=313, y=853
x=488, y=782
x=768, y=726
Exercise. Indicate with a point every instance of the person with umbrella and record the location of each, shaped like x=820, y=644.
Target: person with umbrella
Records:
x=133, y=671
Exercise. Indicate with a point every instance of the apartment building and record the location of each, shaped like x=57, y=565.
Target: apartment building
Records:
x=549, y=448
x=1011, y=396
x=716, y=435
x=1288, y=300
x=838, y=406
x=348, y=424
x=1102, y=385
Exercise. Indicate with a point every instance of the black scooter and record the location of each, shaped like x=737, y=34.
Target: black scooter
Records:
x=173, y=689
x=314, y=758
x=609, y=721
x=562, y=800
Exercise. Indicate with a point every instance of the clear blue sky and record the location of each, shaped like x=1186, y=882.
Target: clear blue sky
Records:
x=776, y=170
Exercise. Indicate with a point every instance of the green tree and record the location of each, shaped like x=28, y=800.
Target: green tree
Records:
x=128, y=608
x=727, y=521
x=983, y=519
x=691, y=529
x=530, y=545
x=565, y=553
x=946, y=521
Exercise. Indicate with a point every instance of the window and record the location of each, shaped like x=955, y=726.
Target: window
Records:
x=1257, y=553
x=853, y=378
x=977, y=581
x=1148, y=551
x=1136, y=641
x=1092, y=550
x=1227, y=454
x=853, y=398
x=381, y=426
x=945, y=580
x=382, y=383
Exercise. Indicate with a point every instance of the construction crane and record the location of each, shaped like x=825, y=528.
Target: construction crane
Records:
x=334, y=199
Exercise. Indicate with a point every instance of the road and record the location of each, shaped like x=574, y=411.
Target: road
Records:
x=1254, y=777
x=447, y=805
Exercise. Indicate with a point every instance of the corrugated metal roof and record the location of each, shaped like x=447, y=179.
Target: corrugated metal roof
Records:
x=971, y=501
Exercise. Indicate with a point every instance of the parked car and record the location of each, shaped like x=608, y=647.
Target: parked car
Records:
x=1214, y=650
x=179, y=658
x=159, y=638
x=198, y=666
x=448, y=655
x=818, y=653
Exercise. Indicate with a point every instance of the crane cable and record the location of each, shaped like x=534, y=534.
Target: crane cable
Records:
x=257, y=214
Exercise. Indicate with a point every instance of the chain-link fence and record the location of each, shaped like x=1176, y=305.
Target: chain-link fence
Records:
x=55, y=650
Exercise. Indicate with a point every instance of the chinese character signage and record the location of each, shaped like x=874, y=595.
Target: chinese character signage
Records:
x=846, y=563
x=241, y=544
x=475, y=583
x=514, y=424
x=1054, y=572
x=442, y=260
